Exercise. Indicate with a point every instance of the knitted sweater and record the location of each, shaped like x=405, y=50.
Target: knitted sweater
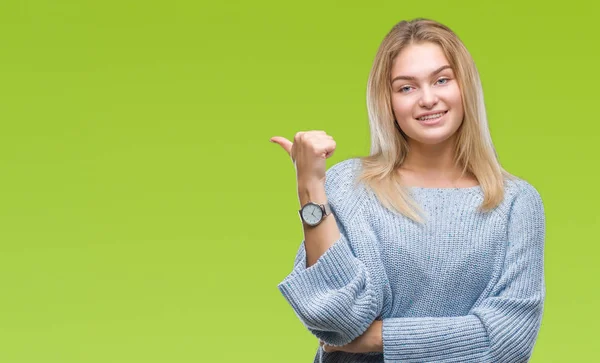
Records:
x=466, y=286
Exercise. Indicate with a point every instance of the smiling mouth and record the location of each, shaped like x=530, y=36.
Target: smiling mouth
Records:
x=432, y=117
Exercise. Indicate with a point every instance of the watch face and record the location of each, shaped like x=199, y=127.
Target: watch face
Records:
x=312, y=214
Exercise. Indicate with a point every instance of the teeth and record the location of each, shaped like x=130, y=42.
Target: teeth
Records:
x=431, y=116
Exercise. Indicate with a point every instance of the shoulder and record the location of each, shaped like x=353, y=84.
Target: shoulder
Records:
x=524, y=199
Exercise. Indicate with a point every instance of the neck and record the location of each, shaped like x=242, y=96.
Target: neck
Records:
x=432, y=160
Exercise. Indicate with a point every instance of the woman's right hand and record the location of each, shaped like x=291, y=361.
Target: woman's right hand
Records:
x=309, y=151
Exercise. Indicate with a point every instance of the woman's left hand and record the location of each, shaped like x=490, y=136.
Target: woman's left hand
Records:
x=370, y=341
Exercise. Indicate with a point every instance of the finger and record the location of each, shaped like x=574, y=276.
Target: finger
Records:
x=329, y=149
x=284, y=143
x=313, y=135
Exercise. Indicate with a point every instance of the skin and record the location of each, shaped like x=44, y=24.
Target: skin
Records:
x=429, y=163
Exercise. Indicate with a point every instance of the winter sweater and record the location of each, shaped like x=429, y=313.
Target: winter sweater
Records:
x=465, y=286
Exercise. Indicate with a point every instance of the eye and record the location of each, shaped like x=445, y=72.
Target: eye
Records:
x=443, y=79
x=404, y=89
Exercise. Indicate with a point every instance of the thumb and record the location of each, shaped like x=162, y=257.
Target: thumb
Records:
x=284, y=143
x=328, y=348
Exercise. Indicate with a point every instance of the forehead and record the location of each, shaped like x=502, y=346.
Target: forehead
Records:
x=418, y=60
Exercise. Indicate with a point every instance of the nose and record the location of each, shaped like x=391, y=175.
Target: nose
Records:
x=428, y=98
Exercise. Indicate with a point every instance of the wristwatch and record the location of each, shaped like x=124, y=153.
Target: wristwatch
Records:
x=312, y=213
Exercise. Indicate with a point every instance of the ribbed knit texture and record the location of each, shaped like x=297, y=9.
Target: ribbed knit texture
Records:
x=466, y=286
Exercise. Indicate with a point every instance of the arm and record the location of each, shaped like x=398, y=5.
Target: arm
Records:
x=333, y=296
x=504, y=326
x=320, y=238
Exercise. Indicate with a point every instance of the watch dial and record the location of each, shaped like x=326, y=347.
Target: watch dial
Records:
x=312, y=214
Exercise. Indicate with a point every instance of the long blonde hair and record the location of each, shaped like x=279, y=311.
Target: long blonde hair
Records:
x=475, y=152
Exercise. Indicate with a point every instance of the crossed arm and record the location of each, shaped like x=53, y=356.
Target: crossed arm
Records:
x=335, y=300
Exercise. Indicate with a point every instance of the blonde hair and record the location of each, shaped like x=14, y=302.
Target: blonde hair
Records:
x=475, y=152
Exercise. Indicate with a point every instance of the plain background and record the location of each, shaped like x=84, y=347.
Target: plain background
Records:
x=144, y=215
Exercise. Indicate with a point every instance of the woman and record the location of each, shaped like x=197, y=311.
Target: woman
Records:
x=426, y=250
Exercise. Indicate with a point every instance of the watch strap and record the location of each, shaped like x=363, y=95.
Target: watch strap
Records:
x=325, y=207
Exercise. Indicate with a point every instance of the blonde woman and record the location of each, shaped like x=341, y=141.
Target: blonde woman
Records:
x=426, y=250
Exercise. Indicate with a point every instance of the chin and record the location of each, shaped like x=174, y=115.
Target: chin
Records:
x=431, y=141
x=432, y=137
x=435, y=136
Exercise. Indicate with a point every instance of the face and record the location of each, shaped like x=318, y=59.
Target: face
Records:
x=423, y=83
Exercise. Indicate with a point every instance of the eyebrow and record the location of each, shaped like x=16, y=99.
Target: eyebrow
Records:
x=413, y=78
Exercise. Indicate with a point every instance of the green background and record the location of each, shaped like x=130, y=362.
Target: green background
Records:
x=144, y=215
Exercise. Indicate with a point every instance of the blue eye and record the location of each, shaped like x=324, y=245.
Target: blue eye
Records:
x=403, y=89
x=443, y=79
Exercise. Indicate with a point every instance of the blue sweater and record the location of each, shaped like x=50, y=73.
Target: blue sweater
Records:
x=464, y=287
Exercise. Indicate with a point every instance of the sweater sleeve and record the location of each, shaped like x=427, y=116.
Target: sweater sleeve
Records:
x=334, y=298
x=501, y=328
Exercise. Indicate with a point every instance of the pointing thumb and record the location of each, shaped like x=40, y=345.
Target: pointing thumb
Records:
x=284, y=143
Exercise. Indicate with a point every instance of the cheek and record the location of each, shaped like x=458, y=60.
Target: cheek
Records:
x=402, y=107
x=457, y=106
x=455, y=97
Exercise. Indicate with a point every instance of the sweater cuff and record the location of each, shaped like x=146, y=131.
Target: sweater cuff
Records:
x=334, y=298
x=336, y=268
x=433, y=338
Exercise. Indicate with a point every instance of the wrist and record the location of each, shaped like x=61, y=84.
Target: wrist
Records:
x=312, y=192
x=377, y=342
x=310, y=182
